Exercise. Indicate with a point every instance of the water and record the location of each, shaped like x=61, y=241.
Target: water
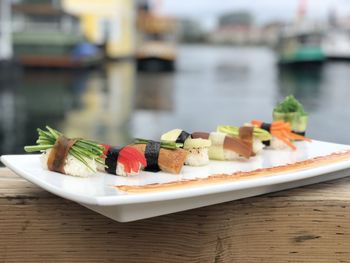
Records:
x=213, y=85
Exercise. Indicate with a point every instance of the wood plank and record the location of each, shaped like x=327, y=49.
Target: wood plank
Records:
x=308, y=224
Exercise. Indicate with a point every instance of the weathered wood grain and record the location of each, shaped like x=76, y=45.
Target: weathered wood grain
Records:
x=308, y=224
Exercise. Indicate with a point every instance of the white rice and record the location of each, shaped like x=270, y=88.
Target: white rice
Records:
x=120, y=170
x=72, y=166
x=219, y=153
x=216, y=152
x=197, y=157
x=230, y=155
x=278, y=144
x=258, y=146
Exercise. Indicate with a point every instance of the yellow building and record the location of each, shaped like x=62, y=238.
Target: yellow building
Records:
x=108, y=22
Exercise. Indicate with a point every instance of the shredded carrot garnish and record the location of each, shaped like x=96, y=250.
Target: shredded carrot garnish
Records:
x=283, y=131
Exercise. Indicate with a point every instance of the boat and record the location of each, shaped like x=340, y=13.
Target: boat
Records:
x=45, y=35
x=336, y=44
x=300, y=42
x=300, y=47
x=156, y=45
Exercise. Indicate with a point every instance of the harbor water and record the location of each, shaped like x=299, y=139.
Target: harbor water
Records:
x=212, y=85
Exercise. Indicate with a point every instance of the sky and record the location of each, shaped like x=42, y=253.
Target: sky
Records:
x=264, y=10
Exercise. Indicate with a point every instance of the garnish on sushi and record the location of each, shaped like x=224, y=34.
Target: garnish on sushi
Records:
x=282, y=135
x=292, y=111
x=197, y=148
x=164, y=156
x=76, y=157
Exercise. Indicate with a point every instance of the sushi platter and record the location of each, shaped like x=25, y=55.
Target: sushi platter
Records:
x=182, y=170
x=98, y=192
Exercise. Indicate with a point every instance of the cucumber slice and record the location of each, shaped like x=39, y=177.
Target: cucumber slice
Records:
x=217, y=138
x=216, y=153
x=171, y=135
x=196, y=143
x=216, y=150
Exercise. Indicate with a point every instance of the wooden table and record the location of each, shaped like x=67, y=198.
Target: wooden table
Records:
x=308, y=224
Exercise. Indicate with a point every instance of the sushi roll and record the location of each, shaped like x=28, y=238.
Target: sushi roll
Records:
x=282, y=135
x=161, y=156
x=292, y=111
x=75, y=157
x=224, y=147
x=258, y=135
x=197, y=148
x=123, y=161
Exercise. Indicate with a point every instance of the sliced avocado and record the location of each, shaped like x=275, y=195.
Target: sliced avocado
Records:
x=261, y=134
x=234, y=132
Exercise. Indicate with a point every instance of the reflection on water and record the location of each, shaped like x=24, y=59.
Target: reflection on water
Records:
x=304, y=81
x=155, y=91
x=323, y=91
x=107, y=104
x=213, y=85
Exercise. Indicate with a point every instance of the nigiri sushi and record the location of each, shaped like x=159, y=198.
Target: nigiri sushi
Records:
x=161, y=157
x=259, y=135
x=224, y=147
x=123, y=161
x=282, y=135
x=76, y=157
x=197, y=148
x=292, y=111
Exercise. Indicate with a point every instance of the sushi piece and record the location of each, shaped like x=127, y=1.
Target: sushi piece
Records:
x=282, y=135
x=164, y=156
x=292, y=111
x=197, y=148
x=76, y=157
x=224, y=147
x=197, y=151
x=259, y=135
x=123, y=161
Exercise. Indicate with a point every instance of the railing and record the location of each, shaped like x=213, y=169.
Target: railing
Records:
x=307, y=224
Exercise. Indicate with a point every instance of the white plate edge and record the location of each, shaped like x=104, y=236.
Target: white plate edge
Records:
x=185, y=192
x=47, y=187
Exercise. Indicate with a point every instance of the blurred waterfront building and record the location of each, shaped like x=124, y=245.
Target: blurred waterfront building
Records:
x=66, y=33
x=190, y=30
x=109, y=23
x=156, y=38
x=240, y=18
x=271, y=32
x=46, y=35
x=236, y=28
x=5, y=30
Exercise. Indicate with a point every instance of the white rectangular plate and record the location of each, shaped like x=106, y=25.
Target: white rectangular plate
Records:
x=98, y=193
